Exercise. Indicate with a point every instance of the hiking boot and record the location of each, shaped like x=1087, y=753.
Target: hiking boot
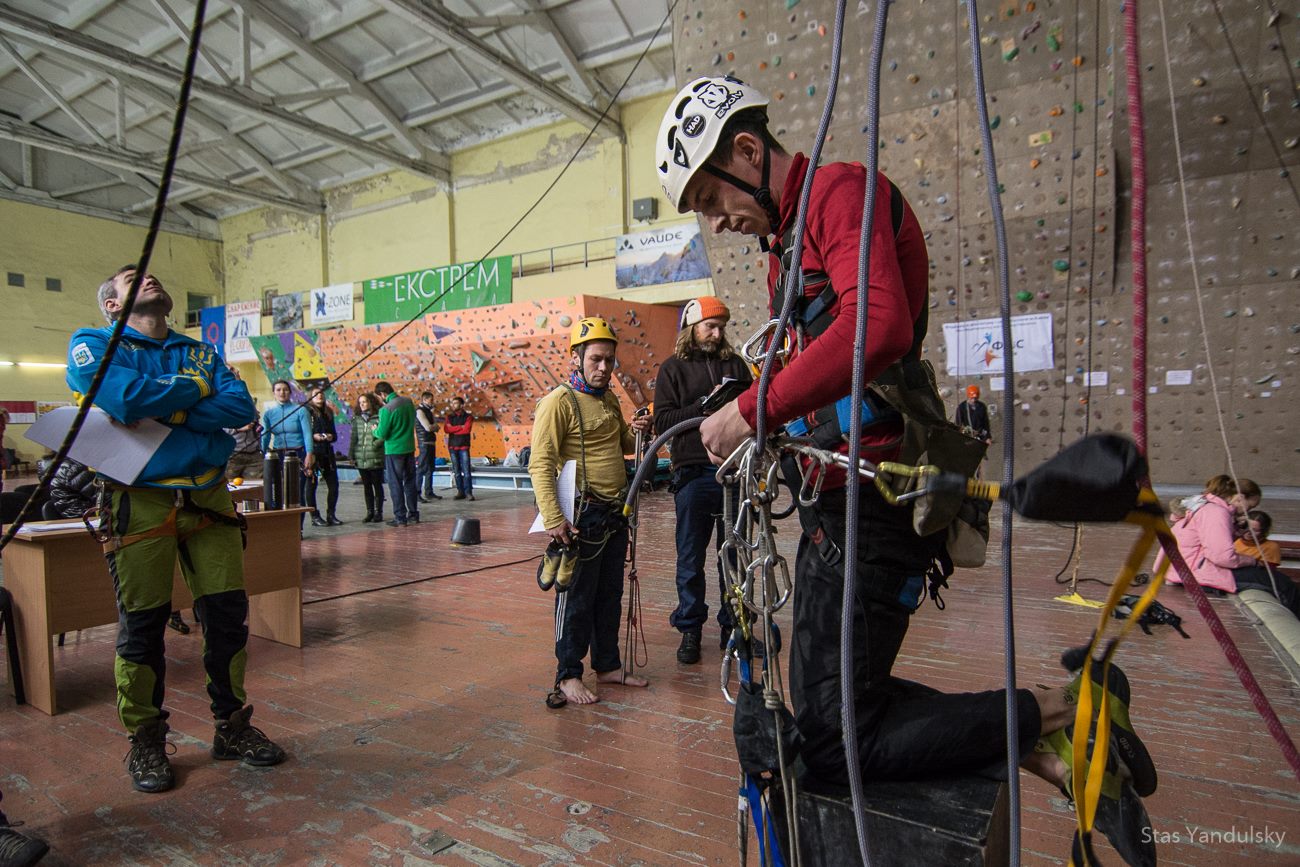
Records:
x=471, y=497
x=459, y=496
x=318, y=521
x=236, y=739
x=147, y=761
x=688, y=653
x=1121, y=815
x=333, y=521
x=175, y=622
x=1129, y=747
x=19, y=850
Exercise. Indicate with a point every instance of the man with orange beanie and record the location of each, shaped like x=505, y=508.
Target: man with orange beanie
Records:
x=973, y=415
x=700, y=364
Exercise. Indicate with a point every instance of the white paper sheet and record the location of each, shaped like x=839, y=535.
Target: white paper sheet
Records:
x=47, y=526
x=115, y=450
x=566, y=489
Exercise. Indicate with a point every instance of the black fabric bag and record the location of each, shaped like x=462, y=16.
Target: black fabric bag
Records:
x=1094, y=480
x=754, y=728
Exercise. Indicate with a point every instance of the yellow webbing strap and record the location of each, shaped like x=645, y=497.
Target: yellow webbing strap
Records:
x=1089, y=770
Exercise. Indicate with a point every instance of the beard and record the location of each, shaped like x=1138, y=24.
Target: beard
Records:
x=709, y=347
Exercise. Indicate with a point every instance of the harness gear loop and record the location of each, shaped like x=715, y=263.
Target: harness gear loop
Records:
x=113, y=542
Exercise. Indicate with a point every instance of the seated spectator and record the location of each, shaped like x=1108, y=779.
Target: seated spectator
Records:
x=1264, y=574
x=1205, y=533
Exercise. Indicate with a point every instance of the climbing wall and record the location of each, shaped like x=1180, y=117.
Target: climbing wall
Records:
x=500, y=359
x=1059, y=136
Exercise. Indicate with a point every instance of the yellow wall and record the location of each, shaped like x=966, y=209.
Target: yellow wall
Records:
x=81, y=251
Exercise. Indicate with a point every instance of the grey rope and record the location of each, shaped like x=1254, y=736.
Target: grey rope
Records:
x=1008, y=430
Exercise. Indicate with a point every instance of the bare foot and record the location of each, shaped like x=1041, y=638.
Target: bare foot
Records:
x=576, y=692
x=617, y=676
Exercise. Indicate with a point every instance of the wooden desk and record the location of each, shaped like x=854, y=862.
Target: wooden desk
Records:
x=60, y=583
x=251, y=493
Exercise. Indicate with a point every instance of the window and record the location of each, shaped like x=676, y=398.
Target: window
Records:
x=17, y=279
x=197, y=302
x=53, y=284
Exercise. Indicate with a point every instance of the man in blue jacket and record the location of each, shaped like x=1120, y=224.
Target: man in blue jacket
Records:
x=178, y=506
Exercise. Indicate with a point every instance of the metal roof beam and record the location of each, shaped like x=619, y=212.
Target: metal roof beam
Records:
x=132, y=161
x=203, y=227
x=578, y=74
x=125, y=64
x=445, y=27
x=417, y=143
x=183, y=30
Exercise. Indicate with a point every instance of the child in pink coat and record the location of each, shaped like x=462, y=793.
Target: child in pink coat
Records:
x=1205, y=533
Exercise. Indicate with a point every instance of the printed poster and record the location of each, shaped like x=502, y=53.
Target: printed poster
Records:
x=212, y=327
x=976, y=348
x=437, y=290
x=667, y=255
x=329, y=304
x=286, y=312
x=243, y=320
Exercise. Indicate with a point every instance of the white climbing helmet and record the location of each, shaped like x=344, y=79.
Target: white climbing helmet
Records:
x=692, y=126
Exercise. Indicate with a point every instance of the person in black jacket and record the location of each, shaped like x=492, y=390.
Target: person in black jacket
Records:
x=323, y=437
x=701, y=363
x=973, y=415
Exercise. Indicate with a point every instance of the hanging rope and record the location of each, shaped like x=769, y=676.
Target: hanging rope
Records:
x=1138, y=218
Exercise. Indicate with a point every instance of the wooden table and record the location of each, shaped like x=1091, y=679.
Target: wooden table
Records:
x=251, y=493
x=60, y=583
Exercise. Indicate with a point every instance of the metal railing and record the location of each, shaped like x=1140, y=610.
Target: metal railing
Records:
x=580, y=254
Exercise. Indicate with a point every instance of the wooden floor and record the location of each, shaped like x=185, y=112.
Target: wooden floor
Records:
x=414, y=713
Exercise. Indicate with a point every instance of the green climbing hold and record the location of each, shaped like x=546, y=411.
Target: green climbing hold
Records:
x=1061, y=265
x=1053, y=41
x=1060, y=200
x=1011, y=54
x=1024, y=295
x=996, y=122
x=1078, y=108
x=479, y=361
x=790, y=4
x=776, y=61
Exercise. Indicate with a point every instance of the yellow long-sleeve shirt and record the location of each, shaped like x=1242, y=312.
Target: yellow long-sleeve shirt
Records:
x=608, y=438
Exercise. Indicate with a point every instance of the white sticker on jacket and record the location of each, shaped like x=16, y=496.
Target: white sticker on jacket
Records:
x=81, y=355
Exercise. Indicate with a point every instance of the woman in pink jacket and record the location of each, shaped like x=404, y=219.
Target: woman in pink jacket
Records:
x=1205, y=533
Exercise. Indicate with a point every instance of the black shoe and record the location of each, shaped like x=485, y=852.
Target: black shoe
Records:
x=424, y=499
x=236, y=739
x=434, y=497
x=19, y=850
x=395, y=523
x=688, y=653
x=459, y=496
x=369, y=518
x=175, y=622
x=147, y=761
x=333, y=521
x=414, y=519
x=471, y=497
x=318, y=521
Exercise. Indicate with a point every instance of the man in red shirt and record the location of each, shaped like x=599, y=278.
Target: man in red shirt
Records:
x=715, y=156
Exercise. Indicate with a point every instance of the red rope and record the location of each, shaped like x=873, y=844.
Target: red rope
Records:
x=1138, y=214
x=1230, y=650
x=1137, y=150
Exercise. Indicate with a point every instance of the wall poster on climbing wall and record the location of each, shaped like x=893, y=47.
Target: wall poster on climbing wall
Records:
x=668, y=255
x=437, y=290
x=976, y=347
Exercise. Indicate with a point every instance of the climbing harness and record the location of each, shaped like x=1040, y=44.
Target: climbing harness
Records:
x=114, y=539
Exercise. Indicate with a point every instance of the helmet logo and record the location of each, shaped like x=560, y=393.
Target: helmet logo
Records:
x=679, y=155
x=719, y=98
x=693, y=125
x=586, y=326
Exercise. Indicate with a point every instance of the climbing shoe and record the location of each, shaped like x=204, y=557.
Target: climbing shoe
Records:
x=175, y=622
x=235, y=738
x=688, y=652
x=19, y=850
x=1129, y=747
x=147, y=761
x=558, y=565
x=1121, y=816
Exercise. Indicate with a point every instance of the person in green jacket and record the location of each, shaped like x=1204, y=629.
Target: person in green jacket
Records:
x=367, y=455
x=396, y=429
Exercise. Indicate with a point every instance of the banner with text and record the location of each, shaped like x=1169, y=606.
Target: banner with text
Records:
x=976, y=347
x=212, y=327
x=330, y=304
x=668, y=255
x=243, y=320
x=456, y=287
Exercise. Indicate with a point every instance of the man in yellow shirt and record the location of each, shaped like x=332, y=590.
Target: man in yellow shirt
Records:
x=582, y=421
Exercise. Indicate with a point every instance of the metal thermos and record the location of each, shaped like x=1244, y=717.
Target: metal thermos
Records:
x=290, y=493
x=271, y=480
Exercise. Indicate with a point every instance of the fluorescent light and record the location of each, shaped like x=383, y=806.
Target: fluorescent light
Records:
x=59, y=365
x=6, y=364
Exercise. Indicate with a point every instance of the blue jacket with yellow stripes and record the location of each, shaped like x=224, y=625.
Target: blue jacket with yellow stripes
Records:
x=177, y=381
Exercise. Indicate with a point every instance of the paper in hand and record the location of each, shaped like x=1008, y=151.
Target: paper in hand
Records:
x=117, y=451
x=566, y=489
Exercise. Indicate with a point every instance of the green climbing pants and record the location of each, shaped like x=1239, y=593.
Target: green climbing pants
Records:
x=151, y=528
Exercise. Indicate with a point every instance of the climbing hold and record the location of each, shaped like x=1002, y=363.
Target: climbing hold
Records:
x=1101, y=173
x=995, y=122
x=1078, y=60
x=1024, y=295
x=790, y=4
x=1035, y=163
x=812, y=89
x=540, y=321
x=741, y=15
x=1198, y=82
x=1055, y=111
x=821, y=30
x=731, y=55
x=565, y=321
x=913, y=78
x=1053, y=41
x=1228, y=314
x=717, y=58
x=1010, y=50
x=1219, y=119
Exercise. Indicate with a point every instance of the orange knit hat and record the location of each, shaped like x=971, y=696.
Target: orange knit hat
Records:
x=699, y=309
x=972, y=391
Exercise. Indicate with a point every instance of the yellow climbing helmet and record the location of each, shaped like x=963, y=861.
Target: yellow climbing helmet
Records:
x=590, y=328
